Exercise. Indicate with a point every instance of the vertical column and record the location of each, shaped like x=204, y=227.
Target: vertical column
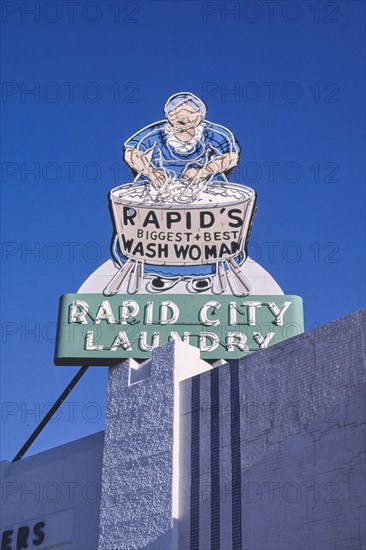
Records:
x=205, y=462
x=137, y=478
x=185, y=459
x=235, y=457
x=225, y=458
x=140, y=478
x=215, y=460
x=195, y=465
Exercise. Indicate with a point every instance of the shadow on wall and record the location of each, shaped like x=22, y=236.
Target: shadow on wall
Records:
x=165, y=541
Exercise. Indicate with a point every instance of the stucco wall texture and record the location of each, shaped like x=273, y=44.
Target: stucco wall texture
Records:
x=137, y=477
x=281, y=447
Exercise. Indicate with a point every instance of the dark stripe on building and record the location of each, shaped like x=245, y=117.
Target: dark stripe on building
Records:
x=235, y=456
x=195, y=465
x=215, y=460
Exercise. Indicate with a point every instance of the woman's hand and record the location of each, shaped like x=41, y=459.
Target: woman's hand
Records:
x=158, y=177
x=190, y=174
x=193, y=175
x=140, y=163
x=217, y=165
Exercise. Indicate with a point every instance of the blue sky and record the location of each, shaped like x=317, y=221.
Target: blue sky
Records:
x=286, y=78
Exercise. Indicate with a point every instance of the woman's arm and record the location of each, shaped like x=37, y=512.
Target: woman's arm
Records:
x=217, y=165
x=140, y=163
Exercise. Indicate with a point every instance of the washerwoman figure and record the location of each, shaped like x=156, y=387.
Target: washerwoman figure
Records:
x=184, y=148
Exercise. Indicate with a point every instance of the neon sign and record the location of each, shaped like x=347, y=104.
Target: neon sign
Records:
x=179, y=227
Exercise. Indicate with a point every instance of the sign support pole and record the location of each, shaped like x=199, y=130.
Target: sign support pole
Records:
x=50, y=414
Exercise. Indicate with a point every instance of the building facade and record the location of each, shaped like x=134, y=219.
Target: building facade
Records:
x=262, y=453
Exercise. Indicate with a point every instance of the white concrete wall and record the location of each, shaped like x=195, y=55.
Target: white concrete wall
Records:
x=59, y=488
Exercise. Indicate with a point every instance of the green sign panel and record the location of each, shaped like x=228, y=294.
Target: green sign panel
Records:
x=97, y=330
